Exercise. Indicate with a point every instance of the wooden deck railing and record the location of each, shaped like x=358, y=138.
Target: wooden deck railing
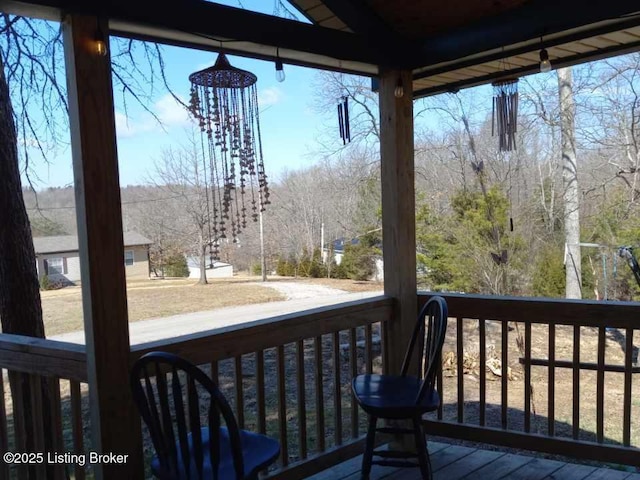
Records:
x=549, y=375
x=287, y=376
x=51, y=369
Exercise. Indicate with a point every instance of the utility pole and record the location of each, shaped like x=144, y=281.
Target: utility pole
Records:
x=263, y=261
x=322, y=241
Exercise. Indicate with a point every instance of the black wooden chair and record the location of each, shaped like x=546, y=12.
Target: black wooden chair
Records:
x=184, y=449
x=406, y=397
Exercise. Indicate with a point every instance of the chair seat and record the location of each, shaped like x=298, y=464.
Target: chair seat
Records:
x=258, y=451
x=393, y=396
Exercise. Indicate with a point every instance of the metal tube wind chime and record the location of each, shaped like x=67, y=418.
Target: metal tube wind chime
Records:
x=224, y=102
x=505, y=113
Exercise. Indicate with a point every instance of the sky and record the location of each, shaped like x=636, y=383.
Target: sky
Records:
x=288, y=123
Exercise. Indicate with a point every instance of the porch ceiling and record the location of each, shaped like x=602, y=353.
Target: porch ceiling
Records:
x=462, y=43
x=447, y=45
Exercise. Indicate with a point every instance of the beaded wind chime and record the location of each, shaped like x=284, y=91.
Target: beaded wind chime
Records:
x=224, y=102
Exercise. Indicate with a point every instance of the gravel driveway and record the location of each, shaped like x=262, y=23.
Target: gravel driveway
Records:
x=300, y=297
x=297, y=290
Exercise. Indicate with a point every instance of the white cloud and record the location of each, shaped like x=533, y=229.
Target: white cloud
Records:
x=126, y=127
x=270, y=96
x=167, y=110
x=170, y=112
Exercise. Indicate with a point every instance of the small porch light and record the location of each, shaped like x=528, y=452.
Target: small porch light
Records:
x=545, y=64
x=279, y=68
x=99, y=43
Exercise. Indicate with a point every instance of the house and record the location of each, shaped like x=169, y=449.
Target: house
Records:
x=217, y=270
x=58, y=257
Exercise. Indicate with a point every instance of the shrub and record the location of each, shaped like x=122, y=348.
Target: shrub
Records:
x=358, y=262
x=176, y=266
x=46, y=283
x=256, y=269
x=284, y=268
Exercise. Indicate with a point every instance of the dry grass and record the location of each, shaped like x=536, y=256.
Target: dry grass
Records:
x=62, y=308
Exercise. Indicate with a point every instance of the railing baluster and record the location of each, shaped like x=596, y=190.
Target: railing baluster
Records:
x=260, y=396
x=4, y=436
x=215, y=373
x=353, y=363
x=302, y=402
x=368, y=348
x=19, y=423
x=504, y=405
x=35, y=388
x=602, y=341
x=53, y=384
x=337, y=390
x=527, y=377
x=551, y=388
x=239, y=391
x=628, y=364
x=384, y=341
x=440, y=383
x=76, y=426
x=483, y=371
x=319, y=361
x=460, y=368
x=576, y=382
x=282, y=406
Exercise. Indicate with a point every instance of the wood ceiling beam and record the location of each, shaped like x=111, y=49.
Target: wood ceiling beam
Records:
x=361, y=19
x=218, y=21
x=533, y=20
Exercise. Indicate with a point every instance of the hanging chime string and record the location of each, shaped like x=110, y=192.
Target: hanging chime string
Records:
x=347, y=129
x=262, y=177
x=341, y=123
x=254, y=161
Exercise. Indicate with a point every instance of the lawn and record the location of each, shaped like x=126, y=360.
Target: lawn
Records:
x=62, y=309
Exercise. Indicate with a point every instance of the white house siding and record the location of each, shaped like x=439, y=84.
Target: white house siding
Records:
x=222, y=271
x=140, y=267
x=73, y=267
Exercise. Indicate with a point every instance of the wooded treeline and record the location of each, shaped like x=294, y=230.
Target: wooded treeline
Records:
x=487, y=221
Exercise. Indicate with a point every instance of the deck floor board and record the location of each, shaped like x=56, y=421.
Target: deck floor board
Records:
x=454, y=462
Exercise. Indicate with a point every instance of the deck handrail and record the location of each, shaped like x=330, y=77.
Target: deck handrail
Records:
x=467, y=411
x=586, y=313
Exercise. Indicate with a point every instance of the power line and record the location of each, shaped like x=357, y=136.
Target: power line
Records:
x=131, y=202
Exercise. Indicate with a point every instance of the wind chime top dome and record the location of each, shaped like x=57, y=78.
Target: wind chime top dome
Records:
x=223, y=75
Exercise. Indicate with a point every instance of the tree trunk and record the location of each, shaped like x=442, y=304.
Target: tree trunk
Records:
x=20, y=306
x=203, y=260
x=571, y=190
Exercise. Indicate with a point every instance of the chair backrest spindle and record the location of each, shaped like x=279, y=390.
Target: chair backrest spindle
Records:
x=174, y=421
x=432, y=321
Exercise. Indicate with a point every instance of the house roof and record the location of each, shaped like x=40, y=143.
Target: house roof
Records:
x=69, y=243
x=447, y=45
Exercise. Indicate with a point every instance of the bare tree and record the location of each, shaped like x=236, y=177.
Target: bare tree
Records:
x=571, y=186
x=183, y=175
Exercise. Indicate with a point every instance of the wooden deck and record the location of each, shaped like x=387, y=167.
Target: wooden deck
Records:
x=452, y=462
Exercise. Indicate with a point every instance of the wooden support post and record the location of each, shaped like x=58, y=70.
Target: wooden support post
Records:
x=115, y=423
x=398, y=210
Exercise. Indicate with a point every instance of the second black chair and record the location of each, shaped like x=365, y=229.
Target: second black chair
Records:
x=404, y=396
x=184, y=448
